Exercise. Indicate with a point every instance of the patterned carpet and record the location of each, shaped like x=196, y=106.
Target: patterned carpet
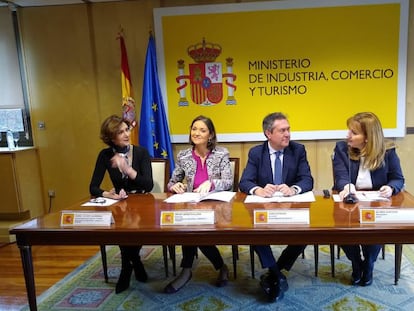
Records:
x=85, y=289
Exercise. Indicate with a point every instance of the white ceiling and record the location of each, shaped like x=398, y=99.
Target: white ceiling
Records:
x=27, y=3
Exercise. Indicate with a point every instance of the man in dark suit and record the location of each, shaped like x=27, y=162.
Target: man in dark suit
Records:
x=276, y=167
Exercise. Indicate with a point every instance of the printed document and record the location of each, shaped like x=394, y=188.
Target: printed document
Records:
x=195, y=197
x=302, y=197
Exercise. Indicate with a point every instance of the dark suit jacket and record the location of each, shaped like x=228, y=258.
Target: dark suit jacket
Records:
x=258, y=171
x=389, y=174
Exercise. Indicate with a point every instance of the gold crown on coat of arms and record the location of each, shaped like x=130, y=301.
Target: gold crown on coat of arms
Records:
x=204, y=52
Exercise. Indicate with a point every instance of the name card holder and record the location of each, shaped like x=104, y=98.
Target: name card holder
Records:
x=282, y=216
x=86, y=218
x=187, y=217
x=386, y=215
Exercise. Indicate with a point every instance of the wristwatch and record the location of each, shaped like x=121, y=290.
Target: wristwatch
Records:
x=295, y=189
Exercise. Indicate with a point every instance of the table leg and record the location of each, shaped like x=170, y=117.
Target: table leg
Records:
x=104, y=263
x=397, y=264
x=27, y=262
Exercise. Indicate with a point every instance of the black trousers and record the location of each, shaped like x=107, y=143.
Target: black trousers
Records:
x=129, y=254
x=286, y=259
x=370, y=253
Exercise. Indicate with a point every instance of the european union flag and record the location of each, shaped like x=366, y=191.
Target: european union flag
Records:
x=154, y=134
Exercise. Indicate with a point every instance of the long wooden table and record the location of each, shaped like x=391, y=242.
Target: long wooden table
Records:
x=137, y=221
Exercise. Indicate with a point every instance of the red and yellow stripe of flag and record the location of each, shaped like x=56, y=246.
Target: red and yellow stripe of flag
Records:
x=128, y=102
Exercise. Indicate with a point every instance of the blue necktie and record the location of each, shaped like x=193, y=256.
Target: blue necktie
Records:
x=277, y=174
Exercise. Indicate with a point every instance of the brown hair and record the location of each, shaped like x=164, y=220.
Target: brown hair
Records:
x=110, y=127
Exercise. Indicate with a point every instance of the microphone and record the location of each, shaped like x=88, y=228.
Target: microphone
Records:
x=350, y=198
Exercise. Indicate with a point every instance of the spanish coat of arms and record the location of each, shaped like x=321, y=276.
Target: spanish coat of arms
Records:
x=206, y=76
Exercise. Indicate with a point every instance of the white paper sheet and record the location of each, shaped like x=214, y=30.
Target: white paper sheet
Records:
x=364, y=196
x=195, y=197
x=303, y=197
x=105, y=202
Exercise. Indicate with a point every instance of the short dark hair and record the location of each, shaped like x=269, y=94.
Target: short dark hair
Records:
x=270, y=118
x=110, y=127
x=212, y=142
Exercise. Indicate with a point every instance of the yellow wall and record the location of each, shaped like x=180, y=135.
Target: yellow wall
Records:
x=73, y=66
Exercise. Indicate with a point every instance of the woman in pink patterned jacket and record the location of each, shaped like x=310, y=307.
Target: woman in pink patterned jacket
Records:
x=202, y=168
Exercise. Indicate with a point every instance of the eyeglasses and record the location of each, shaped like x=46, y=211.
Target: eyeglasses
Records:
x=98, y=200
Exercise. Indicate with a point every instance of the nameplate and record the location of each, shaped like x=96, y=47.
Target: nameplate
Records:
x=193, y=217
x=86, y=218
x=386, y=215
x=282, y=216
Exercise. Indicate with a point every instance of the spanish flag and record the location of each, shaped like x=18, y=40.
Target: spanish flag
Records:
x=128, y=102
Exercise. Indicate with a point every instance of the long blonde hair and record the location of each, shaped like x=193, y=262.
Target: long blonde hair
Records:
x=373, y=152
